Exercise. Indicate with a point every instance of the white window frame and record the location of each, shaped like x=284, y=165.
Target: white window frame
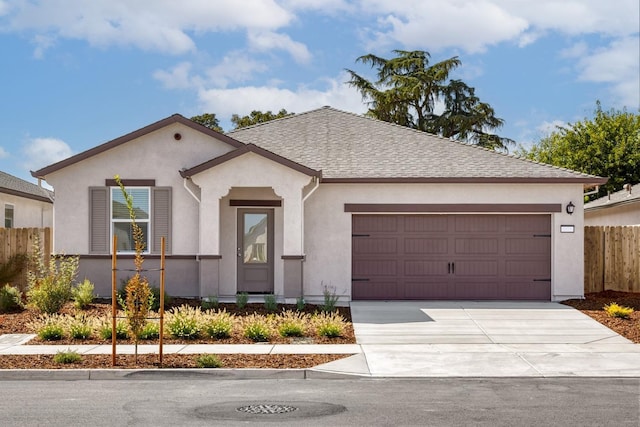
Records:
x=147, y=221
x=13, y=215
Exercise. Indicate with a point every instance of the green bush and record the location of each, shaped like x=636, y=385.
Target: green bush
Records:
x=242, y=299
x=210, y=303
x=104, y=330
x=184, y=322
x=330, y=325
x=330, y=299
x=270, y=303
x=219, y=325
x=51, y=331
x=67, y=357
x=208, y=361
x=10, y=299
x=155, y=304
x=50, y=286
x=292, y=324
x=256, y=328
x=80, y=328
x=300, y=303
x=150, y=331
x=82, y=294
x=615, y=310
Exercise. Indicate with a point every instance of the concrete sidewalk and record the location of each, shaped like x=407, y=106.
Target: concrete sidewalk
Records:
x=483, y=339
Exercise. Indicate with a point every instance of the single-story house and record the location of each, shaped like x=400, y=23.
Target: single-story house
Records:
x=324, y=200
x=619, y=208
x=24, y=204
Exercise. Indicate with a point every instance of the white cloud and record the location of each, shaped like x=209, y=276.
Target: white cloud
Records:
x=4, y=8
x=3, y=153
x=179, y=77
x=242, y=100
x=165, y=27
x=575, y=51
x=235, y=67
x=269, y=40
x=41, y=152
x=617, y=64
x=546, y=127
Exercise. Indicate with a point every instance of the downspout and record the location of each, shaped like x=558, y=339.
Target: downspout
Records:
x=316, y=180
x=588, y=193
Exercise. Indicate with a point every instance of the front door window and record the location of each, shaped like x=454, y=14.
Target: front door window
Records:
x=256, y=236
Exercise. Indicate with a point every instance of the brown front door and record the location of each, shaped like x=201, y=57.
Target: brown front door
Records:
x=451, y=257
x=255, y=251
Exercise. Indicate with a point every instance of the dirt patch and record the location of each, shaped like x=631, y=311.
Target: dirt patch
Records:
x=593, y=305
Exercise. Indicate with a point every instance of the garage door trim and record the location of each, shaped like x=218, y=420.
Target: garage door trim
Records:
x=454, y=208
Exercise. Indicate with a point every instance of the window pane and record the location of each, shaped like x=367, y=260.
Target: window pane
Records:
x=255, y=238
x=124, y=233
x=140, y=203
x=8, y=216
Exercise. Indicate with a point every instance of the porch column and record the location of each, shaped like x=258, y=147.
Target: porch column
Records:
x=292, y=256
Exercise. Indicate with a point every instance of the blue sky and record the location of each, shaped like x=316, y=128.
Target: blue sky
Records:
x=78, y=73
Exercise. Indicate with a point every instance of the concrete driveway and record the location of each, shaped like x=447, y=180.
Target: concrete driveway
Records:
x=483, y=339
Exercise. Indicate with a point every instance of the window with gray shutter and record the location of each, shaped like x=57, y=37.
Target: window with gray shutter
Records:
x=99, y=220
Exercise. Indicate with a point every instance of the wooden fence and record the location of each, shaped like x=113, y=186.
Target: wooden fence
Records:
x=21, y=241
x=612, y=258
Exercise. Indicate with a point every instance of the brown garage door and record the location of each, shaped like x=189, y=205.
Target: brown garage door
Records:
x=451, y=257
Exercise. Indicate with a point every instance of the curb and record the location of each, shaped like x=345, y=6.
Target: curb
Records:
x=166, y=374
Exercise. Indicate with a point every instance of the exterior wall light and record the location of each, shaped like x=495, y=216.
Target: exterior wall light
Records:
x=570, y=208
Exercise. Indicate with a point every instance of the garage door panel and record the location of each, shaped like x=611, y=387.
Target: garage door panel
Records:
x=379, y=223
x=476, y=223
x=375, y=268
x=477, y=268
x=376, y=290
x=475, y=246
x=527, y=245
x=476, y=290
x=425, y=268
x=426, y=223
x=536, y=268
x=431, y=290
x=526, y=290
x=528, y=223
x=375, y=245
x=426, y=246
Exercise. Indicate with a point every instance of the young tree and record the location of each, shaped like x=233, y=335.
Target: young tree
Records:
x=256, y=117
x=607, y=145
x=408, y=91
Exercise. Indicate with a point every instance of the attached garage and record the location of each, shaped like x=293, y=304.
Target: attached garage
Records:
x=451, y=256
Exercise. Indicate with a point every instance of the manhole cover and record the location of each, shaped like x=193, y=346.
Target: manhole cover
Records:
x=267, y=409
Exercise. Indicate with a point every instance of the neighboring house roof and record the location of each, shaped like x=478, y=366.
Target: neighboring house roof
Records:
x=15, y=186
x=351, y=148
x=176, y=118
x=622, y=197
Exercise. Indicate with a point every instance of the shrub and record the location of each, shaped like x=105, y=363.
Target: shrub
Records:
x=82, y=294
x=184, y=322
x=330, y=325
x=150, y=331
x=155, y=303
x=80, y=328
x=52, y=329
x=50, y=285
x=242, y=299
x=219, y=325
x=10, y=299
x=300, y=303
x=209, y=303
x=104, y=329
x=330, y=299
x=66, y=357
x=292, y=324
x=270, y=303
x=208, y=361
x=256, y=328
x=615, y=310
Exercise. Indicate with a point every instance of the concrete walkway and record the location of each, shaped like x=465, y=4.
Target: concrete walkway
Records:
x=483, y=339
x=435, y=339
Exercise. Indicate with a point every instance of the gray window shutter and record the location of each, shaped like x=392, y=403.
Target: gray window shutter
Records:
x=99, y=220
x=161, y=218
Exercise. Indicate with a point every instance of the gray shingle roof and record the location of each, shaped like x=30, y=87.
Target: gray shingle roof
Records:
x=348, y=146
x=618, y=198
x=10, y=184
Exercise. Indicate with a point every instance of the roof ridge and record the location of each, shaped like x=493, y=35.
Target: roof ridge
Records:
x=277, y=119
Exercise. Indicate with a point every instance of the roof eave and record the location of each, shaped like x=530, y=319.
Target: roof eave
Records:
x=25, y=195
x=467, y=180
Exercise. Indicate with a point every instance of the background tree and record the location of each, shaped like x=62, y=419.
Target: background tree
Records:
x=209, y=120
x=607, y=145
x=408, y=91
x=256, y=117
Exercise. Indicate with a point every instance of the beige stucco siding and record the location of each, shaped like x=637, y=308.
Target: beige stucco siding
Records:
x=328, y=226
x=627, y=214
x=156, y=155
x=27, y=212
